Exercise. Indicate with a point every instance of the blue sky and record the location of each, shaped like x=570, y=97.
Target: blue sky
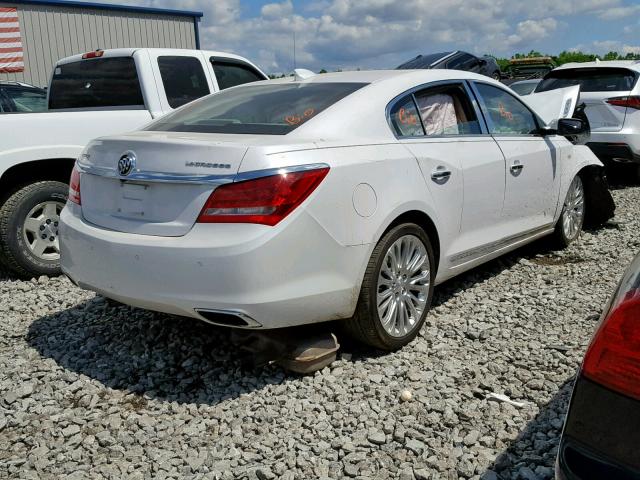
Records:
x=347, y=34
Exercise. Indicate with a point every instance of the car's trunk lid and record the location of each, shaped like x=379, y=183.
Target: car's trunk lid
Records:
x=163, y=194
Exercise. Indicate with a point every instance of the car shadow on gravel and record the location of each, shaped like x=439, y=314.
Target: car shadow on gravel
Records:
x=148, y=354
x=532, y=454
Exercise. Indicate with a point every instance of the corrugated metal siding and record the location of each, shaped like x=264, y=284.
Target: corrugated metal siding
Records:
x=50, y=33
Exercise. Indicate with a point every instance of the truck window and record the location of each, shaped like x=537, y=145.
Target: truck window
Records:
x=232, y=73
x=93, y=83
x=183, y=79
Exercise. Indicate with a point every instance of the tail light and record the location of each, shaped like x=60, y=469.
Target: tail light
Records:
x=74, y=186
x=265, y=200
x=629, y=102
x=95, y=54
x=613, y=358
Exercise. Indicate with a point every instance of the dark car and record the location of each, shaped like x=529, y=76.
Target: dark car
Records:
x=456, y=60
x=527, y=69
x=18, y=97
x=601, y=438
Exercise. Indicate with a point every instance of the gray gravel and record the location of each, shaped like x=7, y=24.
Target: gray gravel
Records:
x=93, y=390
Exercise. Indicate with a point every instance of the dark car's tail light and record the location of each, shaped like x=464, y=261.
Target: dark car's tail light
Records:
x=613, y=358
x=264, y=200
x=629, y=101
x=74, y=186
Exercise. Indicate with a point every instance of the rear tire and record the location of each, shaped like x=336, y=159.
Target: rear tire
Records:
x=572, y=216
x=396, y=295
x=29, y=229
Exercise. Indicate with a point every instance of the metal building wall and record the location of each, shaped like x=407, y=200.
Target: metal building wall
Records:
x=52, y=32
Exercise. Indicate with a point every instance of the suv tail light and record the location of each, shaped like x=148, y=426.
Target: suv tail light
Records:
x=629, y=102
x=264, y=200
x=74, y=186
x=613, y=358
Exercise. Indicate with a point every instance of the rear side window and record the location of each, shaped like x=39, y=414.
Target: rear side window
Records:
x=436, y=111
x=231, y=74
x=272, y=109
x=404, y=118
x=102, y=82
x=183, y=79
x=462, y=62
x=590, y=79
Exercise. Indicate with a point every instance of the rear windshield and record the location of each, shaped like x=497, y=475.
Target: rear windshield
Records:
x=274, y=109
x=103, y=82
x=590, y=79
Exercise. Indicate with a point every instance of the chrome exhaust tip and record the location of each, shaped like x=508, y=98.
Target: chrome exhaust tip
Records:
x=227, y=318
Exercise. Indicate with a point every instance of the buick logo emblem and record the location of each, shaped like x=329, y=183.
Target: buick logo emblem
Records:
x=127, y=163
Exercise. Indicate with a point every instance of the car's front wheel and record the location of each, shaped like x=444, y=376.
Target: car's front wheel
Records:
x=397, y=289
x=572, y=217
x=29, y=221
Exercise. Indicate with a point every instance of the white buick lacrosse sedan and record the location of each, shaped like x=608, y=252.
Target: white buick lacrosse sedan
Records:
x=314, y=198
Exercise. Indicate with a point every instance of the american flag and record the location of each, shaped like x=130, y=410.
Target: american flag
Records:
x=11, y=59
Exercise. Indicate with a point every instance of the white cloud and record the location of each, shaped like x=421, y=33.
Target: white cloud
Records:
x=383, y=33
x=619, y=13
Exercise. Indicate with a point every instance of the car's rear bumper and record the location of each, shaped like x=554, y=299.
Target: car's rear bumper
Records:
x=273, y=277
x=601, y=437
x=616, y=147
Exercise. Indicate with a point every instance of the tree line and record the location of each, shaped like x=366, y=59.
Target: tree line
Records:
x=569, y=57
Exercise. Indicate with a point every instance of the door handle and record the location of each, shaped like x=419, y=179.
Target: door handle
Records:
x=440, y=175
x=517, y=167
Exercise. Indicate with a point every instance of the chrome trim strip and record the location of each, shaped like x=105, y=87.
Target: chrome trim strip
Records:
x=150, y=176
x=240, y=177
x=478, y=252
x=251, y=323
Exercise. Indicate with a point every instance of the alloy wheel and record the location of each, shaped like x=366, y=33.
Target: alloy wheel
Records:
x=403, y=285
x=573, y=213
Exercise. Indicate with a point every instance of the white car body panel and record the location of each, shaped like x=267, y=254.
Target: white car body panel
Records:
x=554, y=104
x=63, y=134
x=309, y=267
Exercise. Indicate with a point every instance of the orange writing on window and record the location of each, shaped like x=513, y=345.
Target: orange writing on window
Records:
x=504, y=113
x=298, y=119
x=406, y=118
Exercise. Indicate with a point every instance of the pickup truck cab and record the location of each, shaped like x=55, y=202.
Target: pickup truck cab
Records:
x=90, y=95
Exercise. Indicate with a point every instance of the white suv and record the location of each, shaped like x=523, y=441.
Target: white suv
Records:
x=611, y=94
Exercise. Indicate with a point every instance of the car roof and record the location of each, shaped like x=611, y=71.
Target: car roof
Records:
x=378, y=76
x=634, y=64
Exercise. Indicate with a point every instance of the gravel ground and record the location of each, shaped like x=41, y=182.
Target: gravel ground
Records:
x=92, y=390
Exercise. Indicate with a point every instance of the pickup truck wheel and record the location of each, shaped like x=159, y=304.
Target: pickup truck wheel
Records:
x=396, y=291
x=29, y=222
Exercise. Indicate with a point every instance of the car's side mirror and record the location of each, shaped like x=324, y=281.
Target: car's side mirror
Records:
x=571, y=127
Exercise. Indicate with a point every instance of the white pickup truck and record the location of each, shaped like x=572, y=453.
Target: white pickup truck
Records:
x=90, y=95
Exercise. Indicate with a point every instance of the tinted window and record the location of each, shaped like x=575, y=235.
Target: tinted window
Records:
x=230, y=74
x=462, y=62
x=507, y=115
x=274, y=109
x=590, y=79
x=422, y=61
x=447, y=111
x=102, y=82
x=183, y=79
x=404, y=118
x=26, y=100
